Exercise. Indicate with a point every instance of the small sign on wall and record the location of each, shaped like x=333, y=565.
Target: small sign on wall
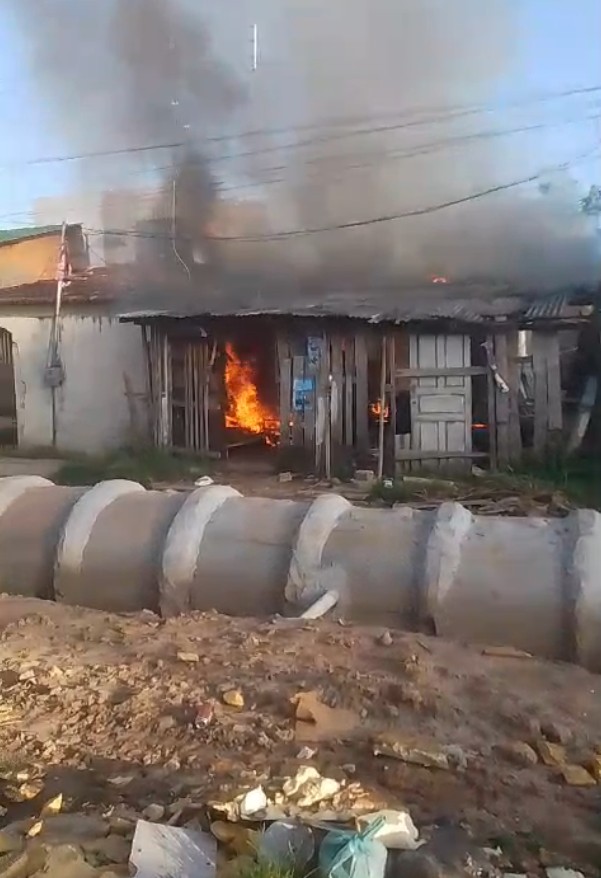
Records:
x=302, y=394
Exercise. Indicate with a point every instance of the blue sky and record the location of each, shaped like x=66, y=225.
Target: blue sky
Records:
x=557, y=48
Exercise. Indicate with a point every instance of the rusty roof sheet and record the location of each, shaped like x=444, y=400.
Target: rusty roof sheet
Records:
x=449, y=302
x=94, y=286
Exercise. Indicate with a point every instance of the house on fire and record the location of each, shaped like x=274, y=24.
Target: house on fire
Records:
x=437, y=376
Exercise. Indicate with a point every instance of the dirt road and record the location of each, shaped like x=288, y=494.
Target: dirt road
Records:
x=131, y=710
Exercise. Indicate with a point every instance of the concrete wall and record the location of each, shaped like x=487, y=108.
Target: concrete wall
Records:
x=35, y=259
x=92, y=413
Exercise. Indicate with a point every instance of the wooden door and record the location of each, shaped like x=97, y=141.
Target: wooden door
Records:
x=441, y=400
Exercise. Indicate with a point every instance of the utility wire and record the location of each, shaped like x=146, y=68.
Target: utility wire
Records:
x=180, y=144
x=395, y=154
x=278, y=236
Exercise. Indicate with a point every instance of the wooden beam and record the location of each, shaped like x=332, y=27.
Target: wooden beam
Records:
x=440, y=455
x=513, y=380
x=451, y=372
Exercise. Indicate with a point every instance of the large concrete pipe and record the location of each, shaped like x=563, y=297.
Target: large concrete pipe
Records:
x=534, y=583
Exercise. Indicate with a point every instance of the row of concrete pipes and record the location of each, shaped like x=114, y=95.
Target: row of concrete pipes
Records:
x=532, y=583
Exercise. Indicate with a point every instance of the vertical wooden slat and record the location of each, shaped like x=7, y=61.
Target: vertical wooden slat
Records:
x=349, y=384
x=322, y=430
x=361, y=394
x=554, y=381
x=311, y=372
x=298, y=373
x=502, y=400
x=492, y=412
x=336, y=395
x=285, y=386
x=513, y=380
x=539, y=361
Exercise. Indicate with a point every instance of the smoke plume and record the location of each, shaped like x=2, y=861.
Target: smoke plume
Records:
x=357, y=110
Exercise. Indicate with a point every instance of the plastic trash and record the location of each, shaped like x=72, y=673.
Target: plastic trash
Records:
x=353, y=854
x=286, y=844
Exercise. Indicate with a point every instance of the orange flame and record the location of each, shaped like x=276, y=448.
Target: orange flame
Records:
x=245, y=409
x=375, y=409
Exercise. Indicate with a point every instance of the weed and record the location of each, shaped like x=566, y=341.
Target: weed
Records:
x=145, y=466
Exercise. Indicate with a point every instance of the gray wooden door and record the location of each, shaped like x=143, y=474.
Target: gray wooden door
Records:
x=441, y=405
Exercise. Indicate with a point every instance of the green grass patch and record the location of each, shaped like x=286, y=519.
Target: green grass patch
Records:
x=578, y=480
x=146, y=466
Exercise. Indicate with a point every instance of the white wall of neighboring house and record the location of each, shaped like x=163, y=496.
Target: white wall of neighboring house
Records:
x=93, y=411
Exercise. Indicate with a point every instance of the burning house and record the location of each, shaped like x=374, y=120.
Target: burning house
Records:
x=437, y=376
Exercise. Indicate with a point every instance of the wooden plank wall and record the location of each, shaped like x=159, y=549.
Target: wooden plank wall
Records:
x=336, y=411
x=548, y=417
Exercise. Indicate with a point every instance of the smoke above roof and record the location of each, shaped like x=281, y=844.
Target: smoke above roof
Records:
x=357, y=111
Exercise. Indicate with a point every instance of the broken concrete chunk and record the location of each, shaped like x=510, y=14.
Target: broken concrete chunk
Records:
x=189, y=657
x=551, y=754
x=577, y=776
x=67, y=861
x=414, y=752
x=519, y=752
x=595, y=767
x=65, y=829
x=234, y=698
x=560, y=872
x=398, y=831
x=112, y=849
x=308, y=787
x=252, y=803
x=154, y=813
x=367, y=476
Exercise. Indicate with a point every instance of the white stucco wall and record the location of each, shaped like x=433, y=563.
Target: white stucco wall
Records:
x=93, y=414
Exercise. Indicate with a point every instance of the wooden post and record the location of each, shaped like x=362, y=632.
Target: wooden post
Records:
x=383, y=355
x=539, y=362
x=502, y=399
x=513, y=380
x=362, y=398
x=492, y=412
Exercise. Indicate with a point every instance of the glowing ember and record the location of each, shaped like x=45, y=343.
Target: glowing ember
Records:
x=375, y=409
x=245, y=409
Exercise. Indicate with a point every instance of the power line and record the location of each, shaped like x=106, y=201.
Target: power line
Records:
x=278, y=236
x=43, y=160
x=379, y=156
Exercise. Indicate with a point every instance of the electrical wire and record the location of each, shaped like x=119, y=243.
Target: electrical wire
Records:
x=293, y=233
x=180, y=144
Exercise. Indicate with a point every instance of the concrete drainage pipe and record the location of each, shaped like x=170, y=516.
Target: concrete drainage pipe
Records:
x=533, y=583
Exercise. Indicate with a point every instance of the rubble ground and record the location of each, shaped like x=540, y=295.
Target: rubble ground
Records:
x=138, y=713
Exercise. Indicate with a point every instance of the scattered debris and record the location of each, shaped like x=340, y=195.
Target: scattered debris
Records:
x=414, y=752
x=560, y=872
x=519, y=752
x=316, y=720
x=204, y=482
x=171, y=852
x=556, y=732
x=285, y=477
x=577, y=776
x=385, y=638
x=352, y=854
x=506, y=652
x=287, y=845
x=309, y=752
x=366, y=476
x=322, y=605
x=233, y=698
x=551, y=754
x=309, y=788
x=154, y=813
x=397, y=832
x=189, y=657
